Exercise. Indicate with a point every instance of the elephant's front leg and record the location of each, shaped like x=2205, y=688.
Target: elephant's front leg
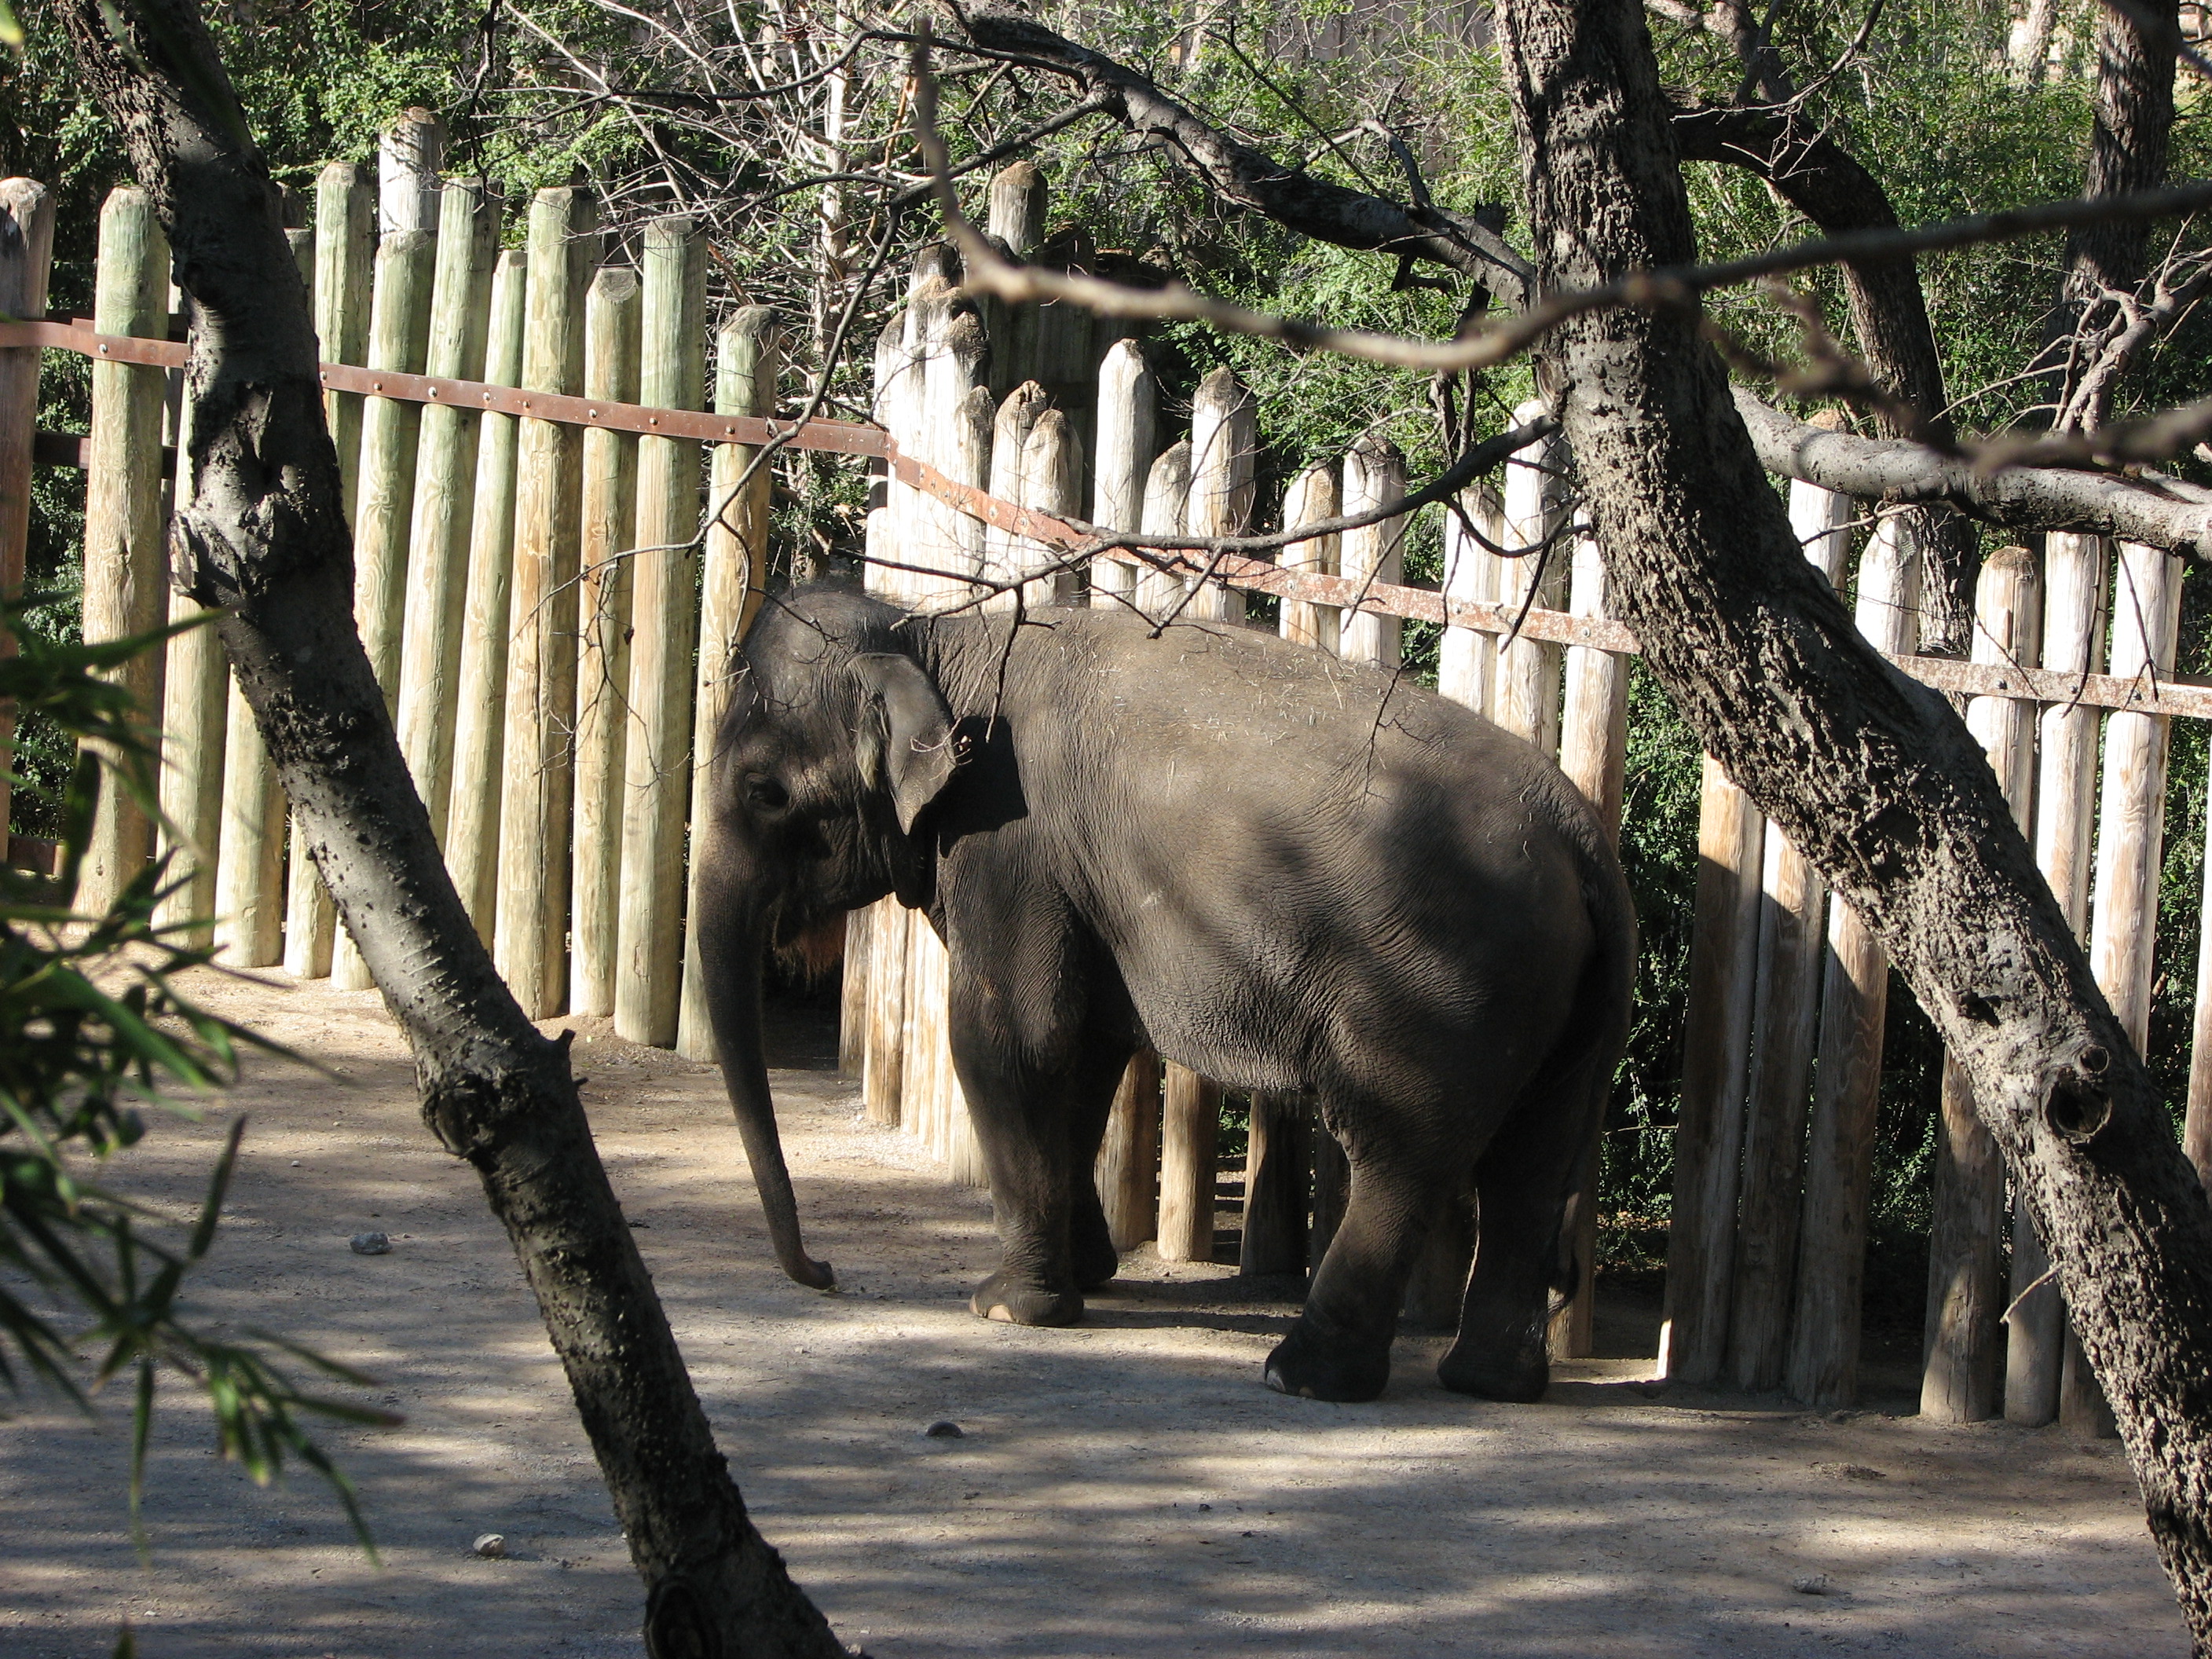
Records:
x=1340, y=1349
x=1039, y=1129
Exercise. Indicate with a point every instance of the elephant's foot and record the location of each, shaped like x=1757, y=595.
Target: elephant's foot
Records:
x=1304, y=1365
x=1096, y=1260
x=1011, y=1302
x=1511, y=1372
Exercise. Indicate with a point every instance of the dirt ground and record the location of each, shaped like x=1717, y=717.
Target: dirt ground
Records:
x=1127, y=1488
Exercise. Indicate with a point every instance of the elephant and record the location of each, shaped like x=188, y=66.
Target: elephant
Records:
x=1285, y=871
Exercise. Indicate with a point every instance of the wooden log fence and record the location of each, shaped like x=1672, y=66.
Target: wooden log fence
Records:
x=558, y=559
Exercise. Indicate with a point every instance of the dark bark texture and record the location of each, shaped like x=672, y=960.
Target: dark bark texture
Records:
x=2128, y=146
x=1874, y=779
x=263, y=534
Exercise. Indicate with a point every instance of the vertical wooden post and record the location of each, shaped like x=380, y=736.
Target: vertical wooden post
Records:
x=1277, y=1163
x=1016, y=213
x=27, y=249
x=383, y=504
x=663, y=622
x=391, y=435
x=2131, y=845
x=1128, y=413
x=901, y=366
x=2130, y=819
x=748, y=362
x=1594, y=754
x=932, y=1107
x=955, y=436
x=929, y=313
x=610, y=502
x=1332, y=1187
x=1466, y=658
x=124, y=572
x=249, y=891
x=884, y=491
x=529, y=936
x=1224, y=439
x=1004, y=552
x=1709, y=1135
x=1594, y=733
x=1313, y=496
x=391, y=430
x=195, y=724
x=445, y=491
x=1374, y=472
x=1526, y=699
x=852, y=995
x=409, y=153
x=1785, y=1024
x=1128, y=1168
x=1960, y=1382
x=1190, y=1130
x=472, y=809
x=1822, y=1368
x=958, y=411
x=1166, y=494
x=883, y=1064
x=1052, y=482
x=345, y=247
x=892, y=539
x=870, y=932
x=2066, y=779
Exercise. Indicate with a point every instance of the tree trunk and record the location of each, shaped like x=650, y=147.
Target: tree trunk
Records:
x=2127, y=152
x=1876, y=780
x=261, y=530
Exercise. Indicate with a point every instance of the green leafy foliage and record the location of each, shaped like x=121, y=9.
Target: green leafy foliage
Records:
x=94, y=1032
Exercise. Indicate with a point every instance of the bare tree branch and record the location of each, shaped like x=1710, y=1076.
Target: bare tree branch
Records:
x=2157, y=512
x=1240, y=174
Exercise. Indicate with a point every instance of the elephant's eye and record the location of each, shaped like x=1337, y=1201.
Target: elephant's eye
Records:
x=766, y=793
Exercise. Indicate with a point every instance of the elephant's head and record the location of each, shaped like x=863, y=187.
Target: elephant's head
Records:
x=836, y=741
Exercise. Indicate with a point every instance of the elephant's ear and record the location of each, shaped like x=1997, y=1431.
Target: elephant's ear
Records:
x=904, y=743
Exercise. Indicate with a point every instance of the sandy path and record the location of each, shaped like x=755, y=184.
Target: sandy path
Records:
x=1127, y=1488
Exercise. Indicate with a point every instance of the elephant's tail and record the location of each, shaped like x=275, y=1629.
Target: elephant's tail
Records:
x=1579, y=1072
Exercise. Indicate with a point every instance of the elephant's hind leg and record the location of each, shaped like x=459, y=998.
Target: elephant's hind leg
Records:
x=1340, y=1349
x=1522, y=1183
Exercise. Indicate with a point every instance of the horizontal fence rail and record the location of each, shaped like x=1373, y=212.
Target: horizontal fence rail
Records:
x=2147, y=694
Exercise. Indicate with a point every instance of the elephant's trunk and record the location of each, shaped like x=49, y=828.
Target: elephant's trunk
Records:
x=733, y=937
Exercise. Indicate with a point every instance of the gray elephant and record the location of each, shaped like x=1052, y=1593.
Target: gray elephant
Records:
x=1285, y=872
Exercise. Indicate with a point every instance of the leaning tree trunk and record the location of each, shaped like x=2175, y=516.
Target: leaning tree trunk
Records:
x=262, y=533
x=1871, y=777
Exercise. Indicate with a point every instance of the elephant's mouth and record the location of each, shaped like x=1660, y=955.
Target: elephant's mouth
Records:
x=809, y=947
